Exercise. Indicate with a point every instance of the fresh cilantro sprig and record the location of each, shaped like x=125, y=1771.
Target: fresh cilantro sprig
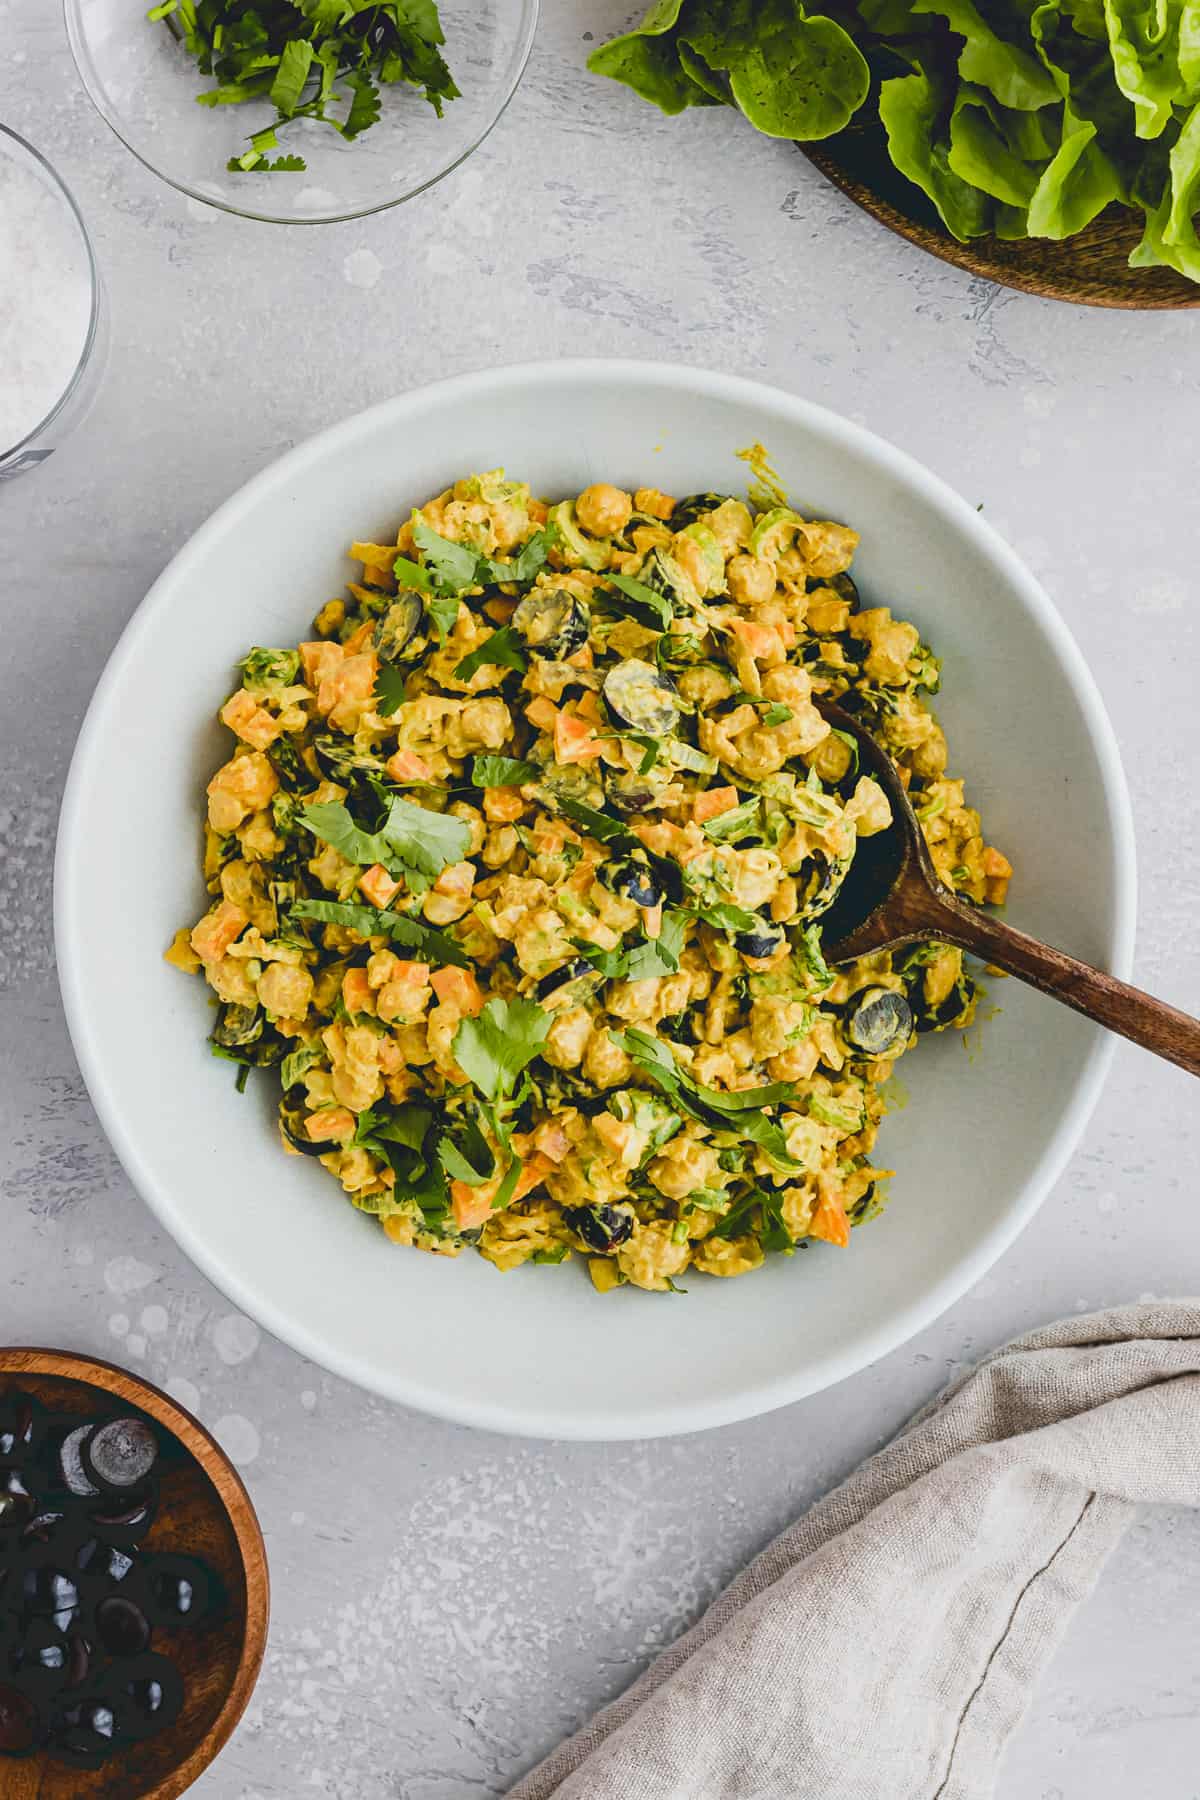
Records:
x=452, y=568
x=646, y=960
x=494, y=1049
x=412, y=841
x=325, y=60
x=741, y=1111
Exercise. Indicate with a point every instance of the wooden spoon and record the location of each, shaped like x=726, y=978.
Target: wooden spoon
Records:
x=893, y=896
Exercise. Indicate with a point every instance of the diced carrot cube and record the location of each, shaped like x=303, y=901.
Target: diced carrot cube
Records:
x=217, y=930
x=760, y=640
x=829, y=1221
x=378, y=886
x=472, y=1205
x=713, y=802
x=356, y=991
x=995, y=864
x=503, y=805
x=542, y=713
x=406, y=765
x=588, y=707
x=532, y=1175
x=459, y=988
x=318, y=660
x=574, y=739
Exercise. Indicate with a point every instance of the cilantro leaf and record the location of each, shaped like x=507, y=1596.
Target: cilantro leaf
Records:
x=530, y=559
x=725, y=916
x=494, y=1048
x=291, y=77
x=657, y=605
x=452, y=566
x=369, y=921
x=411, y=574
x=412, y=841
x=740, y=1111
x=443, y=610
x=389, y=690
x=364, y=107
x=331, y=822
x=660, y=955
x=502, y=771
x=503, y=650
x=601, y=826
x=469, y=1157
x=425, y=842
x=778, y=714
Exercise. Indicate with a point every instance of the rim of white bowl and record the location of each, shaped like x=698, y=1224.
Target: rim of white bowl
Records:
x=93, y=87
x=700, y=1414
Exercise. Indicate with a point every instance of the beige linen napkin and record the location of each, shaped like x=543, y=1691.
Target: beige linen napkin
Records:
x=885, y=1646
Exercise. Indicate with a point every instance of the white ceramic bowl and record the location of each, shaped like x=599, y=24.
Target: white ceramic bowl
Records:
x=983, y=1135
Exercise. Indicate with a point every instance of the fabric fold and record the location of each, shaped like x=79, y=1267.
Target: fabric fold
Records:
x=885, y=1646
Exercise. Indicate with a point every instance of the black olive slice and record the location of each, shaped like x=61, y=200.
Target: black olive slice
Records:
x=694, y=507
x=180, y=1590
x=641, y=699
x=120, y=1455
x=763, y=941
x=237, y=1026
x=150, y=1695
x=553, y=622
x=629, y=793
x=601, y=1227
x=633, y=879
x=304, y=1145
x=70, y=1459
x=400, y=635
x=562, y=977
x=124, y=1525
x=880, y=1022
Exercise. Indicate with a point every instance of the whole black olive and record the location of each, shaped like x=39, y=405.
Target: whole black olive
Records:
x=180, y=1590
x=150, y=1695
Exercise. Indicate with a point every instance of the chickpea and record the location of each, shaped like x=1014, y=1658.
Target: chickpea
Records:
x=603, y=509
x=751, y=580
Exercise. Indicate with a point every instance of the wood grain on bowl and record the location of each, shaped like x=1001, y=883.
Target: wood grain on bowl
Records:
x=1090, y=269
x=204, y=1512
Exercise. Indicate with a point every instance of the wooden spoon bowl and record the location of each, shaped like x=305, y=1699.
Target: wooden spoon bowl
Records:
x=203, y=1512
x=893, y=896
x=1089, y=269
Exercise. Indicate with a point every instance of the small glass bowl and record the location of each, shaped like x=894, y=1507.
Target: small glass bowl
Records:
x=64, y=407
x=144, y=85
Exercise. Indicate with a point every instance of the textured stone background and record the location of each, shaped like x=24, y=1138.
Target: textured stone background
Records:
x=448, y=1604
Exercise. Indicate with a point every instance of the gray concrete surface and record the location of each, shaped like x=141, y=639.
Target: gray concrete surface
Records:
x=449, y=1604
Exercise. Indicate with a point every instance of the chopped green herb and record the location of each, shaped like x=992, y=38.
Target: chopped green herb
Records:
x=389, y=690
x=495, y=1047
x=310, y=59
x=451, y=565
x=370, y=921
x=503, y=650
x=502, y=771
x=657, y=605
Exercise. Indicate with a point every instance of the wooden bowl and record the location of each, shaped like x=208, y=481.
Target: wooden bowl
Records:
x=1090, y=269
x=203, y=1511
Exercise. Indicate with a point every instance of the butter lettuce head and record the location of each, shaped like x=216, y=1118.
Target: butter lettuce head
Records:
x=1025, y=118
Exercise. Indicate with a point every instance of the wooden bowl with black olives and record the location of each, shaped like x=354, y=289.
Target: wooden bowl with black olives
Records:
x=134, y=1596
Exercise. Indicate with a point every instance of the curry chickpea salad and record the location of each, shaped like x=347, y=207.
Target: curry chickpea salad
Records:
x=517, y=871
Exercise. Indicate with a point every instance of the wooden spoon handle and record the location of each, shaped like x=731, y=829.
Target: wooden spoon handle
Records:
x=1138, y=1016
